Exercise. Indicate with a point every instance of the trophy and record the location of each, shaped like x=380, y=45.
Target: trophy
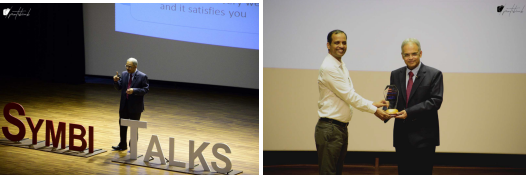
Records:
x=391, y=95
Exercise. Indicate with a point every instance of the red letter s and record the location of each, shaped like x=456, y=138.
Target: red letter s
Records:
x=13, y=120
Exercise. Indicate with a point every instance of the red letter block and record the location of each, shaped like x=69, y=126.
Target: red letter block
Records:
x=79, y=137
x=61, y=133
x=91, y=130
x=14, y=121
x=34, y=129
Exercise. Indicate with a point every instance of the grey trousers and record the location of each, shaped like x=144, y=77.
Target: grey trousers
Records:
x=331, y=144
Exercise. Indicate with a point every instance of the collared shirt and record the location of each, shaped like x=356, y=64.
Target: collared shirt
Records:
x=337, y=94
x=415, y=71
x=133, y=74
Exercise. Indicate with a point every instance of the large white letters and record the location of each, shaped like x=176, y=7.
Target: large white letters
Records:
x=155, y=141
x=193, y=154
x=171, y=161
x=198, y=153
x=221, y=157
x=134, y=127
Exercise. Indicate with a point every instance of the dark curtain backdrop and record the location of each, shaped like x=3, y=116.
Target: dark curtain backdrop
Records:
x=47, y=45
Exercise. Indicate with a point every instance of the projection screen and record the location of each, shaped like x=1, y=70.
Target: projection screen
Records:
x=214, y=44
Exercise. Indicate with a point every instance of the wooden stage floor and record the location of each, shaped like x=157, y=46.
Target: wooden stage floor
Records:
x=185, y=114
x=354, y=169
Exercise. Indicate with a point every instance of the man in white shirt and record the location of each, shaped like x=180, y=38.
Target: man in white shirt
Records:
x=337, y=95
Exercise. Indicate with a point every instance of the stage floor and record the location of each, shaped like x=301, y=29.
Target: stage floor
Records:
x=185, y=114
x=350, y=169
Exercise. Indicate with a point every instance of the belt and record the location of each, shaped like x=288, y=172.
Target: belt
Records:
x=334, y=121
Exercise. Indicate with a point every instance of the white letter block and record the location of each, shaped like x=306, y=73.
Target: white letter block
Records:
x=198, y=153
x=134, y=127
x=221, y=157
x=154, y=141
x=171, y=161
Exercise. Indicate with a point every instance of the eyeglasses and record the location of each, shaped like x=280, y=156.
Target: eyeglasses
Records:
x=127, y=66
x=407, y=55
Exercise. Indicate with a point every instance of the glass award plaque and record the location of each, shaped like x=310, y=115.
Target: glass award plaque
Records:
x=391, y=95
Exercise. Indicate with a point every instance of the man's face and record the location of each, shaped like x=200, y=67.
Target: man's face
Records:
x=411, y=55
x=130, y=67
x=338, y=46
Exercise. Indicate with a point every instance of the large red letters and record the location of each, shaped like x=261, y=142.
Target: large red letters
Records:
x=50, y=130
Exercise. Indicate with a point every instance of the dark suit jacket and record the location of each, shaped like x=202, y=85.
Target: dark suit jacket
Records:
x=420, y=128
x=140, y=88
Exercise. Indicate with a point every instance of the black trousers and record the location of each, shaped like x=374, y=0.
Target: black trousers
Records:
x=331, y=144
x=415, y=161
x=124, y=114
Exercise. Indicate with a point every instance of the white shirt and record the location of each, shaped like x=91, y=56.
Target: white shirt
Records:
x=415, y=71
x=337, y=94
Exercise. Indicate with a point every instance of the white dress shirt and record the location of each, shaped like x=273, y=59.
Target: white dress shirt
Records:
x=415, y=71
x=337, y=95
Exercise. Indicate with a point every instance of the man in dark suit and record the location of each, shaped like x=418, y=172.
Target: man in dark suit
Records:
x=133, y=86
x=416, y=132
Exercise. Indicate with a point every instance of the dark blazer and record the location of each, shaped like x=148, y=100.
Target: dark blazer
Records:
x=140, y=88
x=420, y=128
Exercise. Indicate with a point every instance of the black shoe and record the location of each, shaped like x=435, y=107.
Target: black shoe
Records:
x=118, y=148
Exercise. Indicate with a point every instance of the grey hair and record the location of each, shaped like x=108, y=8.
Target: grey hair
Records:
x=133, y=60
x=412, y=40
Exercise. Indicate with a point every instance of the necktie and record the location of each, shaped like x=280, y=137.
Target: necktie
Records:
x=409, y=87
x=129, y=84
